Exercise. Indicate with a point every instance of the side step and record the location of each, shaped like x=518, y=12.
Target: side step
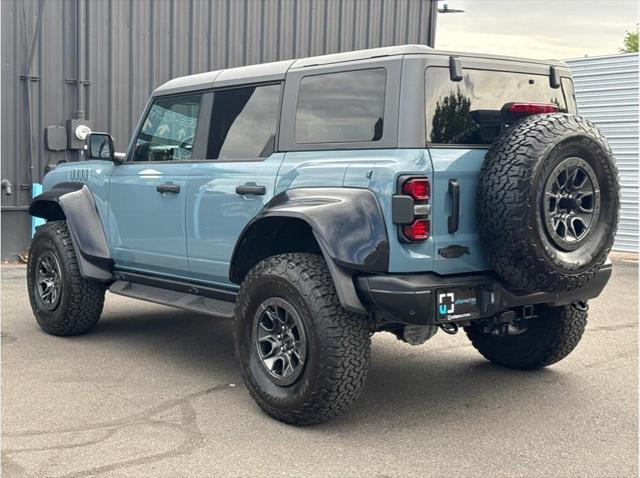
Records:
x=181, y=300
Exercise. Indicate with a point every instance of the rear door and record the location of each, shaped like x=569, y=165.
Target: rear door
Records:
x=147, y=193
x=235, y=182
x=462, y=120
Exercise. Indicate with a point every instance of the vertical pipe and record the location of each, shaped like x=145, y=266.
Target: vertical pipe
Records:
x=27, y=82
x=433, y=15
x=79, y=40
x=79, y=59
x=86, y=58
x=27, y=77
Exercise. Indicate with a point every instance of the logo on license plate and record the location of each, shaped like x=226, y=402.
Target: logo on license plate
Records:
x=447, y=303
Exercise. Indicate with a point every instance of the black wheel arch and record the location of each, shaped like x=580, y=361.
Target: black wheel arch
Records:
x=345, y=225
x=74, y=203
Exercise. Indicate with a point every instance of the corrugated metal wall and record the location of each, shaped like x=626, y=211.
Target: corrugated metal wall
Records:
x=607, y=93
x=128, y=47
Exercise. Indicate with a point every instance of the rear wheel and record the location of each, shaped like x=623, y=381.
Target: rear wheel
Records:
x=303, y=357
x=63, y=302
x=546, y=339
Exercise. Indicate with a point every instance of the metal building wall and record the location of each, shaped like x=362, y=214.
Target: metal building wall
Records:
x=607, y=93
x=125, y=48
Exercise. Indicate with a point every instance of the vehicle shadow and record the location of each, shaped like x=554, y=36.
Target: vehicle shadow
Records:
x=192, y=342
x=442, y=383
x=408, y=387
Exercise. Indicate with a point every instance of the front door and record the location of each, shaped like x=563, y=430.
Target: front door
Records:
x=147, y=193
x=236, y=181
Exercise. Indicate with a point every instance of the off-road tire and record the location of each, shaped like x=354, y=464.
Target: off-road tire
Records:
x=510, y=201
x=338, y=350
x=549, y=338
x=81, y=300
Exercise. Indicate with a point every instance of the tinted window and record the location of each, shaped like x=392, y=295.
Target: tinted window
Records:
x=469, y=111
x=168, y=130
x=341, y=107
x=243, y=124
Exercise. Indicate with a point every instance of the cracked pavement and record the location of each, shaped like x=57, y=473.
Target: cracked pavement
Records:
x=154, y=391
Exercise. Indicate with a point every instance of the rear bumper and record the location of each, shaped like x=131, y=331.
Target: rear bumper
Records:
x=412, y=298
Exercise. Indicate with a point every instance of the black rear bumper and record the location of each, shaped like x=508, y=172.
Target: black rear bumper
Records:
x=412, y=298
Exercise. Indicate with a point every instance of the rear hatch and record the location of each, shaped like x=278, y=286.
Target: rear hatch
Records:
x=463, y=118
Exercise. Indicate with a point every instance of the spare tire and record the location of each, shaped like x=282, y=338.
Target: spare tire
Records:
x=548, y=203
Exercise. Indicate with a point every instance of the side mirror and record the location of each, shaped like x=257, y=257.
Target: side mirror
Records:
x=100, y=146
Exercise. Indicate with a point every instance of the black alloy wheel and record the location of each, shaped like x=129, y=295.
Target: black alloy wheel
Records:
x=281, y=341
x=571, y=203
x=49, y=280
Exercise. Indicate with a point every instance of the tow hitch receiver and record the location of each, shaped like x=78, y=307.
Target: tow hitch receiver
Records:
x=509, y=322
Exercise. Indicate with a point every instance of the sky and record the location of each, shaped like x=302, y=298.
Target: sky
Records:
x=558, y=29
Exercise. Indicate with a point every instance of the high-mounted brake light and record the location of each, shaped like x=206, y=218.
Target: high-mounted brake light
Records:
x=418, y=188
x=418, y=230
x=533, y=108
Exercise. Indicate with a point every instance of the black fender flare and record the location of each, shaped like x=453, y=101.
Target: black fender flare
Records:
x=74, y=203
x=348, y=225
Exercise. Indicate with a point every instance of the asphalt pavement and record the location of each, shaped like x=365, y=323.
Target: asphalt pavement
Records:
x=155, y=391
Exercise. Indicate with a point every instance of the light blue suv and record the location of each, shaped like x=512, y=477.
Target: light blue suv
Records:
x=317, y=201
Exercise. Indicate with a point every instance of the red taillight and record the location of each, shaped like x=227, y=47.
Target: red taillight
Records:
x=410, y=208
x=533, y=108
x=418, y=188
x=418, y=230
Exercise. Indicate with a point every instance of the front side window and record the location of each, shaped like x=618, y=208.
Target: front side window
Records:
x=341, y=107
x=243, y=122
x=169, y=129
x=470, y=111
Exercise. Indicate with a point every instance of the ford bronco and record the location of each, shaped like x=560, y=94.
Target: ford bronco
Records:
x=317, y=201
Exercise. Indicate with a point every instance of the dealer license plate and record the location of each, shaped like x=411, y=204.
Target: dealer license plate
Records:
x=460, y=303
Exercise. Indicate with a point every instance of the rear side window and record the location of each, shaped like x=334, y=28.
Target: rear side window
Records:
x=341, y=107
x=168, y=130
x=469, y=111
x=243, y=122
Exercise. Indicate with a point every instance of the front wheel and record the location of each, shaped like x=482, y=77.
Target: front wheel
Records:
x=303, y=357
x=63, y=302
x=547, y=339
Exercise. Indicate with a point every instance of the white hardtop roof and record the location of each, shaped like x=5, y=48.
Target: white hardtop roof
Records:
x=275, y=71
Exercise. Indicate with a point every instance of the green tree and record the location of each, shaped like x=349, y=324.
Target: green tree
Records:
x=451, y=118
x=630, y=43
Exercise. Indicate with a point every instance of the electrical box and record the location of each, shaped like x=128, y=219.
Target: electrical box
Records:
x=55, y=138
x=77, y=132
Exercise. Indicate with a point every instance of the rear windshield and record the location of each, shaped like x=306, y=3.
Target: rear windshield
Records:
x=468, y=112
